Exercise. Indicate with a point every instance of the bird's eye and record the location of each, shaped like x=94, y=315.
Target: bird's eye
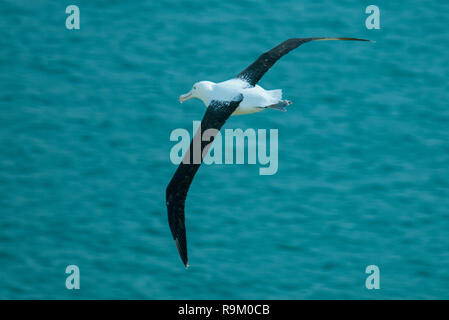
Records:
x=194, y=87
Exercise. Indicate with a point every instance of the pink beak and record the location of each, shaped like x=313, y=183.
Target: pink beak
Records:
x=185, y=97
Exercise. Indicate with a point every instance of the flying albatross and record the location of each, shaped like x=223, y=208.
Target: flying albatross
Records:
x=240, y=95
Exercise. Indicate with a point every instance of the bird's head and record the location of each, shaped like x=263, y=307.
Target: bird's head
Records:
x=201, y=90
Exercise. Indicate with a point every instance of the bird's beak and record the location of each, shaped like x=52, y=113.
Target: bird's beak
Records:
x=185, y=97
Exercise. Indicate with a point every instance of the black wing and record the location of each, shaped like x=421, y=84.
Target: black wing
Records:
x=257, y=69
x=216, y=115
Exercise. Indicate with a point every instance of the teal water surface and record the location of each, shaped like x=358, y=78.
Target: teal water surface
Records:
x=85, y=121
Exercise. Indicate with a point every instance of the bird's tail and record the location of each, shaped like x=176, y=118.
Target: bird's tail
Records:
x=275, y=94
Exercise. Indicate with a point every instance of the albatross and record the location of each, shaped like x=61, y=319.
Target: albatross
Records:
x=239, y=95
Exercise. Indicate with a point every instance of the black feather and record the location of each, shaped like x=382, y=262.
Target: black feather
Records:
x=258, y=68
x=216, y=115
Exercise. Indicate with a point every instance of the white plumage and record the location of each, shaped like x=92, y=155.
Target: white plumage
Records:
x=255, y=98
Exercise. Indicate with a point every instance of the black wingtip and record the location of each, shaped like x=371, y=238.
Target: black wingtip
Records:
x=182, y=253
x=341, y=38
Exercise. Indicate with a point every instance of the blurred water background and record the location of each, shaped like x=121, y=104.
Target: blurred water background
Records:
x=85, y=120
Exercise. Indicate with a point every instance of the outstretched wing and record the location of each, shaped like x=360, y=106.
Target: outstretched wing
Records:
x=257, y=69
x=216, y=115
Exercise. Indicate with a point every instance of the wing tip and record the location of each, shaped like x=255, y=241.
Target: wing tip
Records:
x=182, y=254
x=341, y=38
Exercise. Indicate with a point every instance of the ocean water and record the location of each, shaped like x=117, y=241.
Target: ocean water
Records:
x=85, y=121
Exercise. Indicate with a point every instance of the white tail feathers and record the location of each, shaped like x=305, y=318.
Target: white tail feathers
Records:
x=276, y=94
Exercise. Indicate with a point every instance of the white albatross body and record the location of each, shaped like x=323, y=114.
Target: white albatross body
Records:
x=255, y=98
